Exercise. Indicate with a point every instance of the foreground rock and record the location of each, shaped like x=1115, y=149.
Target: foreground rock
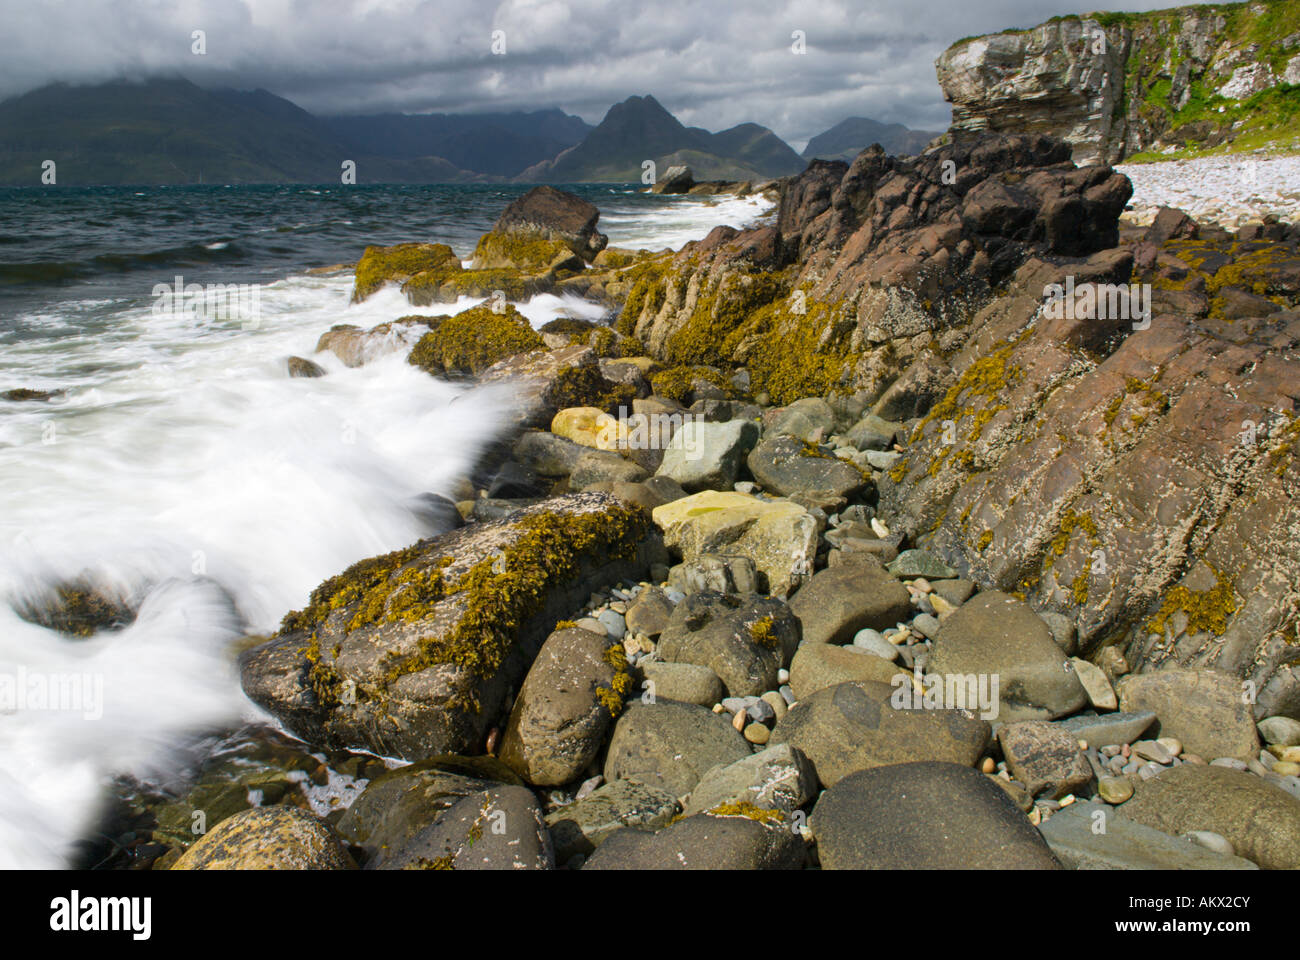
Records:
x=853, y=726
x=412, y=653
x=563, y=710
x=924, y=816
x=1260, y=821
x=267, y=838
x=501, y=828
x=584, y=825
x=778, y=778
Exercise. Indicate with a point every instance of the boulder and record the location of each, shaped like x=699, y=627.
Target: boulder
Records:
x=817, y=666
x=745, y=641
x=1260, y=821
x=788, y=465
x=855, y=726
x=500, y=828
x=707, y=456
x=1044, y=757
x=533, y=230
x=836, y=603
x=302, y=367
x=924, y=816
x=811, y=420
x=705, y=842
x=676, y=179
x=687, y=682
x=411, y=654
x=994, y=634
x=267, y=838
x=778, y=535
x=650, y=612
x=1205, y=709
x=569, y=698
x=711, y=572
x=356, y=347
x=671, y=745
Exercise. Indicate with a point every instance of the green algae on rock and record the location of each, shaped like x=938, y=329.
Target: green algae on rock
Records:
x=470, y=342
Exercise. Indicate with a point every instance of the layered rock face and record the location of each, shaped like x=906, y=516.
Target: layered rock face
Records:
x=1089, y=461
x=1112, y=85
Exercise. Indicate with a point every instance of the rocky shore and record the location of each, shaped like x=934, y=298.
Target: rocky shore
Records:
x=843, y=544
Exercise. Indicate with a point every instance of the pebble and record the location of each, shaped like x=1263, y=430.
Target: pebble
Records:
x=757, y=733
x=1283, y=731
x=1212, y=841
x=1193, y=759
x=1147, y=771
x=1231, y=763
x=786, y=693
x=760, y=711
x=1133, y=766
x=1288, y=754
x=941, y=607
x=783, y=675
x=927, y=625
x=588, y=786
x=1110, y=750
x=776, y=702
x=922, y=584
x=1285, y=768
x=1152, y=750
x=673, y=594
x=739, y=721
x=879, y=528
x=614, y=624
x=1172, y=744
x=898, y=636
x=1213, y=188
x=618, y=606
x=872, y=642
x=592, y=624
x=1115, y=789
x=988, y=766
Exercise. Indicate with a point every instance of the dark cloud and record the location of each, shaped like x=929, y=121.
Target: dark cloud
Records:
x=713, y=64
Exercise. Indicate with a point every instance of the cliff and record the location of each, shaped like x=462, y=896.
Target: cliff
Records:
x=1113, y=85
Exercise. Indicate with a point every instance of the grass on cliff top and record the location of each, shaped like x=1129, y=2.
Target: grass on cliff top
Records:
x=1270, y=120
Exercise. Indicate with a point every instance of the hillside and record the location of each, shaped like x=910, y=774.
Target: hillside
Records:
x=848, y=138
x=640, y=129
x=1175, y=82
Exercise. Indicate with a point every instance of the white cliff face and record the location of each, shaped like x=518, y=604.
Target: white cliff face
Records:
x=1114, y=90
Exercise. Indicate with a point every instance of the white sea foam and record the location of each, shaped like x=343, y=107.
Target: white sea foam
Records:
x=185, y=471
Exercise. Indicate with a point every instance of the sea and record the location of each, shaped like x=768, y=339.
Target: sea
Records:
x=180, y=469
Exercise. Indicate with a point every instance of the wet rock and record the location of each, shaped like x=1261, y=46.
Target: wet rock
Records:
x=704, y=842
x=301, y=367
x=268, y=838
x=582, y=826
x=500, y=828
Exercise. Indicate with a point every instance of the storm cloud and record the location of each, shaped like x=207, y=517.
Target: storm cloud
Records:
x=712, y=64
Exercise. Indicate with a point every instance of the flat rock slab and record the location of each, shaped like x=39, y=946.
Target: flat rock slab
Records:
x=854, y=726
x=1205, y=709
x=671, y=745
x=1090, y=836
x=1260, y=821
x=1110, y=728
x=704, y=842
x=924, y=816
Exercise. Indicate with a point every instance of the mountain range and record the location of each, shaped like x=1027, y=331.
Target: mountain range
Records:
x=167, y=130
x=848, y=138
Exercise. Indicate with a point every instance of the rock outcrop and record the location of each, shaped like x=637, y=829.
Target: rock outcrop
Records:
x=1113, y=85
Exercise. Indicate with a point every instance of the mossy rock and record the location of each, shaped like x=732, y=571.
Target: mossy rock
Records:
x=380, y=265
x=583, y=385
x=520, y=251
x=268, y=838
x=78, y=609
x=470, y=342
x=412, y=654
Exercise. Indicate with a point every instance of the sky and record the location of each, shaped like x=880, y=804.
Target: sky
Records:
x=713, y=64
